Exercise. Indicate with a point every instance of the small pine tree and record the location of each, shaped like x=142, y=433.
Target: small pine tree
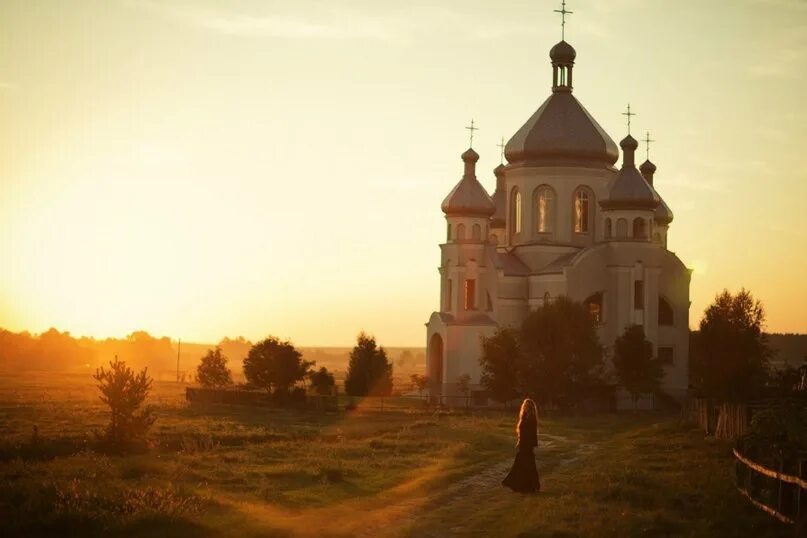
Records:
x=213, y=371
x=322, y=381
x=369, y=371
x=124, y=392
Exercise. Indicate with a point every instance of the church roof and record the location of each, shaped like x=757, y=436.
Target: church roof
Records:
x=509, y=263
x=562, y=132
x=663, y=214
x=630, y=190
x=558, y=265
x=468, y=197
x=499, y=199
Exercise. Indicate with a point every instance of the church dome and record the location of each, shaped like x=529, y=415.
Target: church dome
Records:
x=647, y=169
x=499, y=217
x=562, y=53
x=469, y=198
x=630, y=189
x=663, y=214
x=562, y=132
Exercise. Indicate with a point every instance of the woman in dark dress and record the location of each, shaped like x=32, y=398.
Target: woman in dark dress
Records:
x=523, y=476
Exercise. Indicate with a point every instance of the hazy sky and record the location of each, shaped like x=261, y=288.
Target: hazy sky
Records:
x=204, y=168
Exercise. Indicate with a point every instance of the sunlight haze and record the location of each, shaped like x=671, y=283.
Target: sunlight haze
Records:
x=200, y=168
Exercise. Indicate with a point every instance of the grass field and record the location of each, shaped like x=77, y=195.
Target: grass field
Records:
x=229, y=471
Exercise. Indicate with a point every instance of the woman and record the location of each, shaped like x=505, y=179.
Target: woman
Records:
x=523, y=477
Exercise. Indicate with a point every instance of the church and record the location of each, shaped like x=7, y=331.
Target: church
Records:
x=563, y=220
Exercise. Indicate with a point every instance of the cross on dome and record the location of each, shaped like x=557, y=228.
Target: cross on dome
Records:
x=629, y=114
x=501, y=145
x=563, y=12
x=471, y=128
x=647, y=142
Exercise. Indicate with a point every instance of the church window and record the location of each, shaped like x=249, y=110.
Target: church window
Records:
x=544, y=209
x=490, y=302
x=665, y=312
x=493, y=239
x=638, y=294
x=608, y=228
x=448, y=296
x=449, y=231
x=621, y=228
x=460, y=232
x=639, y=228
x=581, y=211
x=594, y=304
x=517, y=212
x=547, y=298
x=470, y=294
x=476, y=232
x=665, y=355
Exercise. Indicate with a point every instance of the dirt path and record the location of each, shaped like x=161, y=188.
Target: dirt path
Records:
x=474, y=488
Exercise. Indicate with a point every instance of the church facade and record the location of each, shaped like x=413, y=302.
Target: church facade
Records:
x=563, y=220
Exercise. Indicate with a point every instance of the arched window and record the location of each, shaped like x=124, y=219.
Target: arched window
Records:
x=544, y=209
x=547, y=298
x=665, y=312
x=470, y=294
x=476, y=232
x=582, y=203
x=594, y=304
x=608, y=228
x=490, y=302
x=621, y=228
x=448, y=295
x=449, y=231
x=517, y=213
x=639, y=228
x=460, y=232
x=493, y=239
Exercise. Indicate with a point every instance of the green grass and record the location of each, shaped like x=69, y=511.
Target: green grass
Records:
x=235, y=471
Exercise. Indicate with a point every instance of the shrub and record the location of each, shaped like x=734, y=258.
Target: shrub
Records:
x=635, y=366
x=369, y=371
x=213, y=371
x=124, y=392
x=275, y=365
x=322, y=381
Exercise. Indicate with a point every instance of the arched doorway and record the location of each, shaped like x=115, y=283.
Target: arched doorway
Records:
x=436, y=368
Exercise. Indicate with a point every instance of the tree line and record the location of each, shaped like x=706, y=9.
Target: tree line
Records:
x=557, y=359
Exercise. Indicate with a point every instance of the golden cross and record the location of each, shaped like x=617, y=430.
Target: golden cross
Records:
x=563, y=12
x=628, y=114
x=647, y=142
x=472, y=129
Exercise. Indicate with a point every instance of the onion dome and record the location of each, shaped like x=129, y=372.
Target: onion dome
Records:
x=468, y=198
x=562, y=132
x=562, y=53
x=499, y=199
x=630, y=190
x=663, y=214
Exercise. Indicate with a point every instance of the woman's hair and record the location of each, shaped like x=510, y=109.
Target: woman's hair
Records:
x=527, y=412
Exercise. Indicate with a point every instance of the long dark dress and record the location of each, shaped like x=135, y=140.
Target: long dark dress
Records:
x=523, y=476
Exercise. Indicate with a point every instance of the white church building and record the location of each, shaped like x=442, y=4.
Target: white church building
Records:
x=563, y=220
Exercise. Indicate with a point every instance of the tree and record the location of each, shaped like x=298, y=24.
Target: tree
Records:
x=213, y=371
x=501, y=355
x=322, y=381
x=562, y=355
x=124, y=392
x=275, y=365
x=730, y=351
x=638, y=371
x=421, y=382
x=369, y=371
x=464, y=386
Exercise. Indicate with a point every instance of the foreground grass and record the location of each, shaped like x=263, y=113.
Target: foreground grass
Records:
x=219, y=471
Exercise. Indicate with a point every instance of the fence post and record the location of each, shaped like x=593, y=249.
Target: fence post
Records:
x=801, y=501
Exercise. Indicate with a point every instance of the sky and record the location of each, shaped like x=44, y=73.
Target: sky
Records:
x=198, y=168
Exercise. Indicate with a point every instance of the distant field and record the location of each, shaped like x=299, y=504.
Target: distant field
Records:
x=220, y=471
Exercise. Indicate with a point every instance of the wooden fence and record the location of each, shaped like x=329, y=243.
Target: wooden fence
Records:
x=781, y=492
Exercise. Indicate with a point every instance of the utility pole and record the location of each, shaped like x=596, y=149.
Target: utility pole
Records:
x=179, y=347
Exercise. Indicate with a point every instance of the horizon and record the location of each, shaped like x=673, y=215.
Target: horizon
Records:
x=271, y=169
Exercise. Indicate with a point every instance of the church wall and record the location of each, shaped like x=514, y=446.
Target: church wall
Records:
x=564, y=182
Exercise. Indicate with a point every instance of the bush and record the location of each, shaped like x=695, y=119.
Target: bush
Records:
x=212, y=371
x=322, y=381
x=275, y=365
x=635, y=366
x=369, y=372
x=124, y=392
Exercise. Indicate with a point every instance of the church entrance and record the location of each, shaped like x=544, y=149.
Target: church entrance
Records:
x=436, y=369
